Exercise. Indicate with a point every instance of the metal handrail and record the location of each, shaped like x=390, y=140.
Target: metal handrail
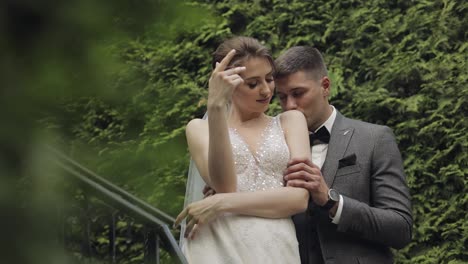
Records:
x=122, y=200
x=112, y=187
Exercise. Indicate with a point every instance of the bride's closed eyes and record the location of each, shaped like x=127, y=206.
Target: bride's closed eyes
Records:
x=254, y=83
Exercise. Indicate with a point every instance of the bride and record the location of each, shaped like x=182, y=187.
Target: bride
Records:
x=241, y=153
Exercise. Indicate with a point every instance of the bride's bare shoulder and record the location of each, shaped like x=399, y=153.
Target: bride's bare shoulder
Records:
x=197, y=135
x=196, y=127
x=197, y=123
x=291, y=118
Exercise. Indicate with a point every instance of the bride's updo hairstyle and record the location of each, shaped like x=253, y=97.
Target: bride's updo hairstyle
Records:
x=246, y=48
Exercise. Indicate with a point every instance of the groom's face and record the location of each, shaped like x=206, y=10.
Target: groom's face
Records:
x=299, y=91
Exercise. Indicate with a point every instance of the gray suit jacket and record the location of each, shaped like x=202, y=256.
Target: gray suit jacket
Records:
x=364, y=164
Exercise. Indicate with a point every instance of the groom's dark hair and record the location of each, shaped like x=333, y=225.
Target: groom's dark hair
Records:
x=301, y=58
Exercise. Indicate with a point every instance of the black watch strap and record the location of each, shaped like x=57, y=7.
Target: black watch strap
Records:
x=330, y=203
x=333, y=198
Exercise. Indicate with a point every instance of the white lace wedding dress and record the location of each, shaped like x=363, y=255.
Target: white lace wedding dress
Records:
x=246, y=239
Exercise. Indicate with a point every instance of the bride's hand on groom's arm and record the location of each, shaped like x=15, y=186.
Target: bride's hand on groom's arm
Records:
x=199, y=214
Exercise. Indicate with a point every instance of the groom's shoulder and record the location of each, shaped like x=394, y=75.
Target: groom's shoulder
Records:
x=361, y=123
x=366, y=127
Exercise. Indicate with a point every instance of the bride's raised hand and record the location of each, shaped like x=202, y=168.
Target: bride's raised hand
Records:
x=223, y=82
x=199, y=214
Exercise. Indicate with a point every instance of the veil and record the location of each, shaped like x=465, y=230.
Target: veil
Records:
x=193, y=192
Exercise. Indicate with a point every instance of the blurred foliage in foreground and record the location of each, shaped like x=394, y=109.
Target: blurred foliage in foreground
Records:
x=115, y=82
x=66, y=80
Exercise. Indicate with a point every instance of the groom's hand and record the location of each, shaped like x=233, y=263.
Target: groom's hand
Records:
x=303, y=173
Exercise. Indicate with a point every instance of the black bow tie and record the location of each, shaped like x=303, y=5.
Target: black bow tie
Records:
x=321, y=136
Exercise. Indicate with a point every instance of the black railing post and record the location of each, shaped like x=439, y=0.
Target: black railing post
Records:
x=151, y=246
x=156, y=247
x=61, y=221
x=112, y=240
x=86, y=244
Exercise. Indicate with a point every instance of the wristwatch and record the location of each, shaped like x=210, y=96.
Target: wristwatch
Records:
x=333, y=198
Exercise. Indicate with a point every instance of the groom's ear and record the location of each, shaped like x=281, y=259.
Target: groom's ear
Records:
x=326, y=85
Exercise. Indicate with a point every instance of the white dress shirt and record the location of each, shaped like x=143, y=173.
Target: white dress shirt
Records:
x=319, y=153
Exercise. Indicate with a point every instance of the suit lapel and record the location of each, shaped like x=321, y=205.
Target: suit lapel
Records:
x=339, y=140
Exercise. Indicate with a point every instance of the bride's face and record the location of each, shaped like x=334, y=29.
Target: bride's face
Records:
x=255, y=93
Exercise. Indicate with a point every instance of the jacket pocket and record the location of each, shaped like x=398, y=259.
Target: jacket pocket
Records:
x=348, y=170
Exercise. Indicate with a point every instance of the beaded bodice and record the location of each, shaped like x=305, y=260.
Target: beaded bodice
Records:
x=263, y=169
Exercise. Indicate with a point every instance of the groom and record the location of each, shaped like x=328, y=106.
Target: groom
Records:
x=360, y=203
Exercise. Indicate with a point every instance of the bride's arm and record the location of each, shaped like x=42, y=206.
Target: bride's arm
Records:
x=221, y=169
x=209, y=154
x=212, y=153
x=274, y=203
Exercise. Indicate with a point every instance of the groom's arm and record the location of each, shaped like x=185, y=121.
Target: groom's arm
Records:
x=387, y=219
